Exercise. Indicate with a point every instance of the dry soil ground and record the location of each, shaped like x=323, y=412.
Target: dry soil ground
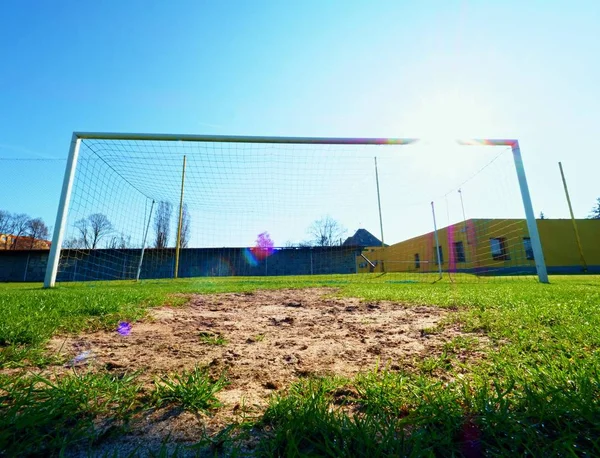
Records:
x=272, y=338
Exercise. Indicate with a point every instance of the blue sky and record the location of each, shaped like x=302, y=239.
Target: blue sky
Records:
x=526, y=70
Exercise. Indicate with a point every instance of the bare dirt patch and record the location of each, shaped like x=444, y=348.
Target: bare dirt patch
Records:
x=263, y=341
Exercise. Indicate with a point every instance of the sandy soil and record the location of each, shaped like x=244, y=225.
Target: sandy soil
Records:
x=273, y=337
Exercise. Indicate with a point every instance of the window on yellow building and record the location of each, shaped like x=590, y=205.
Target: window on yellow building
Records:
x=499, y=250
x=459, y=252
x=528, y=248
x=417, y=261
x=435, y=255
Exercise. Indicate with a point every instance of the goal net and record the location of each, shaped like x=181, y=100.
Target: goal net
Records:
x=167, y=206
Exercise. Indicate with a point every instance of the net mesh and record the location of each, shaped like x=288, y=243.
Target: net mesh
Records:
x=292, y=209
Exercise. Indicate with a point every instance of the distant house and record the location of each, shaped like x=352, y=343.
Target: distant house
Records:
x=362, y=238
x=22, y=243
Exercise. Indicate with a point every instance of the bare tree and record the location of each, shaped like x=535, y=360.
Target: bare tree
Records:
x=327, y=232
x=162, y=224
x=74, y=243
x=83, y=241
x=20, y=223
x=101, y=227
x=37, y=230
x=119, y=242
x=595, y=213
x=93, y=229
x=185, y=227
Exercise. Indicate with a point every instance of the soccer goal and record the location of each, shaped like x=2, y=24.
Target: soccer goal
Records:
x=142, y=206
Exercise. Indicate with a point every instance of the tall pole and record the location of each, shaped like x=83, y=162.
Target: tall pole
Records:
x=176, y=273
x=61, y=215
x=577, y=238
x=437, y=242
x=462, y=205
x=379, y=202
x=139, y=269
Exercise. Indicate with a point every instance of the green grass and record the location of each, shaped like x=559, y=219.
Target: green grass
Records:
x=192, y=390
x=535, y=390
x=212, y=339
x=40, y=416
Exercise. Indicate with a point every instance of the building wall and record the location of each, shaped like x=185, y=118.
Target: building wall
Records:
x=560, y=246
x=10, y=242
x=557, y=237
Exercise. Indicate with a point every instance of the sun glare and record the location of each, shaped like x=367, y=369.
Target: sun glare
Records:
x=444, y=117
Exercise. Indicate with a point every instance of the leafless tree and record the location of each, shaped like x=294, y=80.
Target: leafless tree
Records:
x=120, y=241
x=185, y=227
x=162, y=224
x=19, y=225
x=83, y=241
x=93, y=229
x=101, y=227
x=37, y=230
x=74, y=243
x=327, y=232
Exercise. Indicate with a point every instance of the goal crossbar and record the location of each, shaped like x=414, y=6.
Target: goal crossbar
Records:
x=245, y=139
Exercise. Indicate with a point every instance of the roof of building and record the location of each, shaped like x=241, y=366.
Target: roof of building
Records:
x=362, y=237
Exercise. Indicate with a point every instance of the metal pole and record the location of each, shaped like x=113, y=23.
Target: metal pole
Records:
x=26, y=266
x=61, y=214
x=577, y=238
x=437, y=241
x=462, y=204
x=536, y=244
x=176, y=273
x=379, y=202
x=139, y=269
x=465, y=224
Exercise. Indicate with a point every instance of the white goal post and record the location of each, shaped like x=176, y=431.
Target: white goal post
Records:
x=78, y=137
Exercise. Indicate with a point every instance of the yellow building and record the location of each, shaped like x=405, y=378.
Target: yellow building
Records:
x=490, y=247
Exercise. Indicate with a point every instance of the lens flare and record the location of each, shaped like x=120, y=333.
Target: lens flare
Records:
x=249, y=257
x=260, y=251
x=124, y=328
x=81, y=359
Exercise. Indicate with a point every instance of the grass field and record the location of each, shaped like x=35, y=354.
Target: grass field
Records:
x=536, y=391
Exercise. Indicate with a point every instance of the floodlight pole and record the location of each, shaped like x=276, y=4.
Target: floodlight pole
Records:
x=462, y=204
x=437, y=241
x=139, y=269
x=534, y=235
x=379, y=202
x=61, y=215
x=577, y=238
x=176, y=274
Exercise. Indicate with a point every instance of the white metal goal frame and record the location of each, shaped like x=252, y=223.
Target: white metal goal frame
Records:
x=63, y=207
